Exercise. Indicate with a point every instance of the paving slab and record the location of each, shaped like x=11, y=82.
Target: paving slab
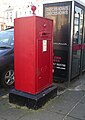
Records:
x=78, y=83
x=42, y=115
x=9, y=111
x=65, y=102
x=71, y=118
x=14, y=112
x=79, y=110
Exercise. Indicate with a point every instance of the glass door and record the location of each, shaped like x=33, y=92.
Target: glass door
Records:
x=83, y=47
x=77, y=41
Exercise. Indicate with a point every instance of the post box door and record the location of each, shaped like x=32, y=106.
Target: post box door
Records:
x=44, y=63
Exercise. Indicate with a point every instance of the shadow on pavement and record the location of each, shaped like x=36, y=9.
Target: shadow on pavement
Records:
x=3, y=91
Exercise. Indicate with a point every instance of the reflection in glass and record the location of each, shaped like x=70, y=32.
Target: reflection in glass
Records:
x=61, y=18
x=77, y=41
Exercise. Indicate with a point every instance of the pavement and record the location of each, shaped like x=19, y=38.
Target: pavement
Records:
x=69, y=104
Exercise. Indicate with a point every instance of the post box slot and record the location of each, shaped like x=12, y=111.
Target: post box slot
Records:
x=44, y=33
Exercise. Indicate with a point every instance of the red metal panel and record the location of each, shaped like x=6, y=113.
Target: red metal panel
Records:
x=44, y=64
x=33, y=57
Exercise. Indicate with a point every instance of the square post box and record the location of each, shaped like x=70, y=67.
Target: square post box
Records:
x=33, y=54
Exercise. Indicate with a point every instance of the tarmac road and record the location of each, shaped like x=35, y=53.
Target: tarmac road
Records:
x=3, y=91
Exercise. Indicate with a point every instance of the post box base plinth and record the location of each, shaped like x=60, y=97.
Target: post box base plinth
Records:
x=32, y=101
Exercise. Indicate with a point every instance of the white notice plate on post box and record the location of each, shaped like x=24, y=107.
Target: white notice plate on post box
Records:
x=44, y=45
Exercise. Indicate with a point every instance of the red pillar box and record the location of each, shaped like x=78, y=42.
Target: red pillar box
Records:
x=33, y=50
x=33, y=54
